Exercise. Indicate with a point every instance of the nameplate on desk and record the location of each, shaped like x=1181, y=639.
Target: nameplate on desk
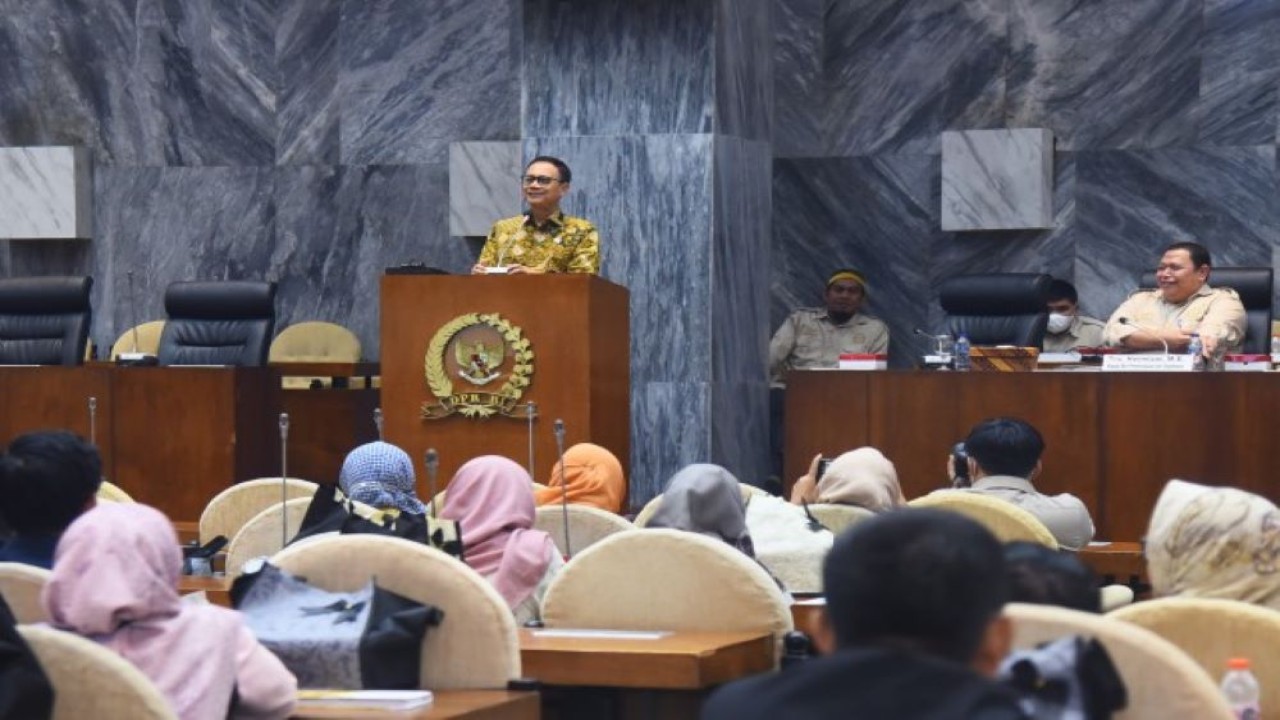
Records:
x=602, y=634
x=497, y=270
x=1148, y=363
x=1059, y=358
x=1247, y=363
x=861, y=361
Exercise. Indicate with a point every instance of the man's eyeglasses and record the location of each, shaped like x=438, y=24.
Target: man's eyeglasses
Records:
x=539, y=180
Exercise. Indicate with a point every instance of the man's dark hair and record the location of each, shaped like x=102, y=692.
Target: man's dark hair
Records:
x=566, y=175
x=917, y=579
x=46, y=479
x=1044, y=576
x=1199, y=253
x=1005, y=446
x=1060, y=289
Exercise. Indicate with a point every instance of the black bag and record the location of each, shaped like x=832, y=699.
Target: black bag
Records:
x=327, y=513
x=1071, y=678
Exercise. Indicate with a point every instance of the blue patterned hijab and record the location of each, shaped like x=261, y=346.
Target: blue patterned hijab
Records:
x=381, y=474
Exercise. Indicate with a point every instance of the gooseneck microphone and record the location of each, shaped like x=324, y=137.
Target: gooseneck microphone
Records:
x=432, y=461
x=284, y=483
x=564, y=486
x=1143, y=328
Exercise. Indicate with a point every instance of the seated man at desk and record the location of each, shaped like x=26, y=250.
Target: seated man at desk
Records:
x=1182, y=304
x=1068, y=329
x=913, y=629
x=47, y=479
x=815, y=337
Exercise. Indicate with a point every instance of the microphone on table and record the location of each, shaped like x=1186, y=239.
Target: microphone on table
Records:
x=1143, y=328
x=377, y=420
x=284, y=482
x=564, y=486
x=432, y=461
x=135, y=357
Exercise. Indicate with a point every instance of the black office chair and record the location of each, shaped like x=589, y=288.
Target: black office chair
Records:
x=1254, y=286
x=997, y=308
x=44, y=320
x=218, y=323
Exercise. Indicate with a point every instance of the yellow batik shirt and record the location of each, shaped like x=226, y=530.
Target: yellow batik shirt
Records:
x=563, y=244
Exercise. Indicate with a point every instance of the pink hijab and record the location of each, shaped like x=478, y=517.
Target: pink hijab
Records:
x=115, y=578
x=491, y=497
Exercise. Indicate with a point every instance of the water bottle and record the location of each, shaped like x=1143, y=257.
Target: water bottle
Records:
x=962, y=353
x=1196, y=350
x=1275, y=349
x=1240, y=688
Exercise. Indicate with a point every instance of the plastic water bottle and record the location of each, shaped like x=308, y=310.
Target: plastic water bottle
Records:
x=1196, y=350
x=1240, y=688
x=1275, y=349
x=962, y=353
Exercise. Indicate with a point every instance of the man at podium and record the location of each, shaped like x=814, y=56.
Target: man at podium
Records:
x=544, y=239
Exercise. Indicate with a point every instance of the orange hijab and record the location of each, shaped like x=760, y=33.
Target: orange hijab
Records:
x=594, y=476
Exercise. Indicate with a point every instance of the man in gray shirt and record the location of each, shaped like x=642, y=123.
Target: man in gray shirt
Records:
x=815, y=337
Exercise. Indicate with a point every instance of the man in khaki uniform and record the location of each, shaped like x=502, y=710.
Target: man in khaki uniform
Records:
x=1182, y=304
x=1068, y=329
x=815, y=337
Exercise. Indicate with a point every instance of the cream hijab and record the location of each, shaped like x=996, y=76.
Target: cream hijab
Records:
x=1215, y=542
x=862, y=477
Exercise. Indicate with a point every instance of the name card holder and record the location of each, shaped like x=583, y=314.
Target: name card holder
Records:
x=1148, y=363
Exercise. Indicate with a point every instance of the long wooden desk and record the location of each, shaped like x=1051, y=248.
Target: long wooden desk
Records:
x=326, y=423
x=1113, y=439
x=450, y=705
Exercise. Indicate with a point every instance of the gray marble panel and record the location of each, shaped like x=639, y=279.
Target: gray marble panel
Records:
x=45, y=193
x=1106, y=74
x=744, y=68
x=876, y=214
x=740, y=260
x=306, y=58
x=669, y=429
x=898, y=73
x=740, y=429
x=997, y=179
x=1131, y=204
x=799, y=89
x=483, y=185
x=415, y=72
x=618, y=67
x=1240, y=72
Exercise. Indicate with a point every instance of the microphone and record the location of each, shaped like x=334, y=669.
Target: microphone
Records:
x=135, y=357
x=1142, y=328
x=93, y=421
x=500, y=268
x=564, y=486
x=432, y=461
x=284, y=483
x=377, y=420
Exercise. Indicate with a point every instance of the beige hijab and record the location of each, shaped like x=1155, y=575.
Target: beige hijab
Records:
x=1215, y=542
x=862, y=477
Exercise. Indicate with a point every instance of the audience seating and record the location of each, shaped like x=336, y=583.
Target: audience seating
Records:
x=1006, y=521
x=44, y=320
x=1212, y=631
x=147, y=341
x=476, y=647
x=1254, y=286
x=1162, y=681
x=665, y=579
x=651, y=507
x=110, y=492
x=587, y=525
x=90, y=681
x=997, y=308
x=218, y=323
x=837, y=517
x=232, y=508
x=313, y=341
x=261, y=535
x=20, y=584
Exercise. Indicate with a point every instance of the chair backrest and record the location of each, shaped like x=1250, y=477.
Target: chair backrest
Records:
x=1006, y=521
x=587, y=525
x=837, y=517
x=1213, y=631
x=1253, y=285
x=232, y=508
x=315, y=341
x=997, y=308
x=90, y=681
x=651, y=507
x=261, y=535
x=20, y=584
x=665, y=579
x=475, y=647
x=1162, y=681
x=146, y=340
x=44, y=320
x=218, y=323
x=110, y=492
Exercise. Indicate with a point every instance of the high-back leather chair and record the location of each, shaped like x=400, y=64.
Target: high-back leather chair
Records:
x=44, y=320
x=218, y=323
x=1253, y=285
x=997, y=308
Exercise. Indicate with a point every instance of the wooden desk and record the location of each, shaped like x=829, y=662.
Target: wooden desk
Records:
x=680, y=661
x=807, y=615
x=1119, y=562
x=216, y=588
x=451, y=705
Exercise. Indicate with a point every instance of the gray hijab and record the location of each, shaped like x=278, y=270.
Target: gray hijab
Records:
x=706, y=499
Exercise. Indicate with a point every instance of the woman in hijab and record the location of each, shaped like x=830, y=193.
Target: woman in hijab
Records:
x=381, y=475
x=491, y=498
x=593, y=476
x=705, y=499
x=862, y=477
x=1214, y=542
x=115, y=578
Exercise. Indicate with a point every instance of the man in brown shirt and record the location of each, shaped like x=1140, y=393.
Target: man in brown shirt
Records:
x=815, y=337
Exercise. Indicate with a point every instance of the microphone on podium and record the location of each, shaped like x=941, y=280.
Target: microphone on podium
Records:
x=1143, y=328
x=564, y=486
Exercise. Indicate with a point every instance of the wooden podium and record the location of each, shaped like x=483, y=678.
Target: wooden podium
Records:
x=578, y=329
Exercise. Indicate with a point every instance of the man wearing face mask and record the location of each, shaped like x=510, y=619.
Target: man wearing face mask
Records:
x=1068, y=329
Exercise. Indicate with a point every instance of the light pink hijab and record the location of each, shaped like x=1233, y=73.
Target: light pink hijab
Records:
x=491, y=497
x=115, y=577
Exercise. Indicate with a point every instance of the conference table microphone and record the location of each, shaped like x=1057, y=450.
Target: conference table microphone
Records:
x=564, y=486
x=432, y=462
x=1148, y=330
x=137, y=357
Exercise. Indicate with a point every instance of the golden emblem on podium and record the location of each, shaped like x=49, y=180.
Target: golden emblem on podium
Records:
x=477, y=350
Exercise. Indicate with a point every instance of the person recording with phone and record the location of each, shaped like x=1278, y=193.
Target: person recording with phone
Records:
x=544, y=239
x=862, y=477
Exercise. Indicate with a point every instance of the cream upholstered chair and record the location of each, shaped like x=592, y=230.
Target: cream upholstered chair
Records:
x=1212, y=631
x=313, y=341
x=837, y=517
x=20, y=584
x=476, y=646
x=651, y=507
x=261, y=536
x=148, y=339
x=230, y=509
x=587, y=525
x=111, y=492
x=90, y=681
x=665, y=579
x=1162, y=681
x=1006, y=521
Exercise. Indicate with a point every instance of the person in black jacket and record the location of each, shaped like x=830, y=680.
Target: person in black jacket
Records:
x=25, y=693
x=914, y=630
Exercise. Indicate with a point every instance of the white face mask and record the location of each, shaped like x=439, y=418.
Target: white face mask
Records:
x=1059, y=323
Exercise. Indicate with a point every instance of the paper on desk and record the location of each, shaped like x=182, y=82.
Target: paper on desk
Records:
x=604, y=634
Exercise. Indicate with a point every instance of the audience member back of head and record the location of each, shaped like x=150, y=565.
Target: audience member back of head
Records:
x=914, y=630
x=380, y=475
x=47, y=479
x=1043, y=576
